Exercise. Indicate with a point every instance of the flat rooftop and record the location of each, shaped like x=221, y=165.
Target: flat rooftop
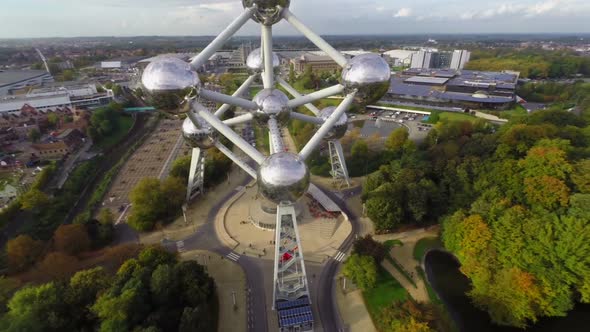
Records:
x=427, y=80
x=9, y=77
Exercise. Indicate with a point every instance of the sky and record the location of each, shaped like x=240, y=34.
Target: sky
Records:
x=72, y=18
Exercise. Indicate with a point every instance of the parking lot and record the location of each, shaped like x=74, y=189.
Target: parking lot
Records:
x=384, y=122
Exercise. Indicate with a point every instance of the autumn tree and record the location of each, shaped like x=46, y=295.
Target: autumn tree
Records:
x=22, y=252
x=396, y=140
x=58, y=265
x=367, y=246
x=71, y=239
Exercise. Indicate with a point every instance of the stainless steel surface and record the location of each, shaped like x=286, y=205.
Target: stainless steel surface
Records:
x=369, y=75
x=255, y=64
x=169, y=74
x=325, y=93
x=225, y=99
x=314, y=38
x=327, y=126
x=272, y=103
x=296, y=94
x=267, y=12
x=197, y=132
x=239, y=92
x=218, y=42
x=340, y=126
x=306, y=118
x=276, y=140
x=239, y=119
x=283, y=178
x=226, y=131
x=267, y=56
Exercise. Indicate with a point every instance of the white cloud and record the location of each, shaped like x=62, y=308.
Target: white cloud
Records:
x=403, y=12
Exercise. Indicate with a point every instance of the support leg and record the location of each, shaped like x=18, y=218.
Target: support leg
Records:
x=290, y=287
x=339, y=169
x=196, y=175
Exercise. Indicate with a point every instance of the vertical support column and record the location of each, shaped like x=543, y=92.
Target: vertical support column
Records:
x=196, y=177
x=339, y=169
x=275, y=138
x=268, y=73
x=290, y=287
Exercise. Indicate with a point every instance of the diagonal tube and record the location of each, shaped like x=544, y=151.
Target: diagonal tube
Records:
x=325, y=93
x=306, y=118
x=236, y=159
x=239, y=119
x=226, y=131
x=218, y=42
x=314, y=38
x=327, y=126
x=225, y=99
x=296, y=94
x=239, y=92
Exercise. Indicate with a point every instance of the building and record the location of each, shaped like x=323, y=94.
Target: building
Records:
x=421, y=59
x=238, y=57
x=20, y=81
x=464, y=89
x=459, y=59
x=318, y=63
x=79, y=95
x=404, y=56
x=51, y=151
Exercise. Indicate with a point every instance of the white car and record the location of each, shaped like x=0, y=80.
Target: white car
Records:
x=397, y=113
x=400, y=121
x=353, y=116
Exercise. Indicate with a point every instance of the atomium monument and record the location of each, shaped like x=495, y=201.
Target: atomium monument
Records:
x=283, y=177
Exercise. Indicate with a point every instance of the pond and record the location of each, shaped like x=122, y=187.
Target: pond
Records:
x=451, y=285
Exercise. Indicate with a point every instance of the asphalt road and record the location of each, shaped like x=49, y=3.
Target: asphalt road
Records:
x=206, y=239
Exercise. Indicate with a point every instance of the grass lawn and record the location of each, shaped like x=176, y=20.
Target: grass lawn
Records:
x=424, y=245
x=124, y=123
x=516, y=112
x=452, y=116
x=431, y=294
x=383, y=294
x=392, y=243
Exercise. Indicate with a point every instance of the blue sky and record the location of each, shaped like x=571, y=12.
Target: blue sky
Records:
x=68, y=18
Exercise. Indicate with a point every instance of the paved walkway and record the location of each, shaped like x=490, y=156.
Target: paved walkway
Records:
x=404, y=256
x=231, y=282
x=353, y=310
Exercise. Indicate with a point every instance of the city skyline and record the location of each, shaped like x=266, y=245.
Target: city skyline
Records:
x=67, y=18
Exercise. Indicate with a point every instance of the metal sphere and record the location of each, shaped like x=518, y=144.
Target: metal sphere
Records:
x=255, y=63
x=340, y=127
x=197, y=132
x=272, y=103
x=169, y=74
x=267, y=11
x=370, y=75
x=283, y=177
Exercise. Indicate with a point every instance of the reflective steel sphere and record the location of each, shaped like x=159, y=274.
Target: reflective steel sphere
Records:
x=283, y=177
x=267, y=11
x=272, y=103
x=340, y=127
x=370, y=75
x=255, y=63
x=197, y=132
x=169, y=74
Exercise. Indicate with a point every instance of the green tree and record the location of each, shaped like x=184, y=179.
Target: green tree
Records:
x=181, y=168
x=8, y=286
x=367, y=246
x=106, y=217
x=34, y=135
x=52, y=119
x=397, y=139
x=362, y=270
x=34, y=199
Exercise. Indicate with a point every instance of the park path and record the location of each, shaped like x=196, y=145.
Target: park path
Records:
x=404, y=256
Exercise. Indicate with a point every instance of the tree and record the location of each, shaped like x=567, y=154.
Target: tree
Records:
x=34, y=135
x=397, y=139
x=180, y=168
x=52, y=119
x=7, y=288
x=366, y=246
x=71, y=239
x=148, y=203
x=58, y=265
x=34, y=199
x=38, y=308
x=22, y=252
x=106, y=217
x=362, y=270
